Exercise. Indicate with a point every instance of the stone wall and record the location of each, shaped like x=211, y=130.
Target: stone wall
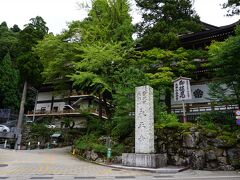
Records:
x=199, y=148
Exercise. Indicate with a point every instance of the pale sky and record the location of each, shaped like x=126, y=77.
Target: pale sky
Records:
x=58, y=12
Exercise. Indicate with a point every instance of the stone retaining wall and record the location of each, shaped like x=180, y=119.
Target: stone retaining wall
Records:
x=199, y=148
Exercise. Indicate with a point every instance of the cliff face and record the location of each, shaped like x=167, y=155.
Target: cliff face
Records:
x=198, y=147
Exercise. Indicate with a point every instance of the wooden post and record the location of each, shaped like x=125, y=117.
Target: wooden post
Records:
x=184, y=112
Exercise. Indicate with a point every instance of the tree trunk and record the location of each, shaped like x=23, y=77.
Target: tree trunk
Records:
x=52, y=102
x=100, y=107
x=21, y=111
x=20, y=116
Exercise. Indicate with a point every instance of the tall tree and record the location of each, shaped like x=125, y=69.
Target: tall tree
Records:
x=28, y=63
x=108, y=21
x=94, y=70
x=105, y=34
x=163, y=66
x=164, y=21
x=125, y=81
x=9, y=81
x=232, y=7
x=8, y=41
x=57, y=55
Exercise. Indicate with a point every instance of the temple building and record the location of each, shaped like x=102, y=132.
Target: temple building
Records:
x=75, y=104
x=201, y=101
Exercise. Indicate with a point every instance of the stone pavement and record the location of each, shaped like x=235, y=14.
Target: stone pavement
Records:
x=53, y=161
x=60, y=164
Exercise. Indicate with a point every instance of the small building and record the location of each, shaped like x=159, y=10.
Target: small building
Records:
x=68, y=104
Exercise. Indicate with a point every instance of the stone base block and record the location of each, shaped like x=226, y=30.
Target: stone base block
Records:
x=144, y=160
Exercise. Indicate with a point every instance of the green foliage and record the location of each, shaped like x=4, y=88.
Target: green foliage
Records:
x=90, y=142
x=216, y=117
x=232, y=7
x=28, y=62
x=30, y=68
x=96, y=126
x=228, y=140
x=166, y=118
x=224, y=57
x=40, y=132
x=164, y=20
x=163, y=66
x=125, y=81
x=108, y=21
x=57, y=56
x=8, y=41
x=67, y=123
x=9, y=81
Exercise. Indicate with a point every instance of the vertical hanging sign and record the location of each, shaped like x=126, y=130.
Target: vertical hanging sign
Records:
x=182, y=89
x=182, y=92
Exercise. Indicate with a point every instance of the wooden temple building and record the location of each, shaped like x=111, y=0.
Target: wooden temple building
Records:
x=201, y=101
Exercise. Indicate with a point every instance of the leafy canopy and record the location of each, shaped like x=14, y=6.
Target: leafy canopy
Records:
x=28, y=62
x=164, y=21
x=232, y=7
x=9, y=81
x=224, y=58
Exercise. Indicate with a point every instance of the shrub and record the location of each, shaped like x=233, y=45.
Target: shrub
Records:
x=163, y=117
x=216, y=117
x=91, y=142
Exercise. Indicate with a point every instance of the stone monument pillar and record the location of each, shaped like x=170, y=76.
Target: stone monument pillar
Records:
x=144, y=120
x=144, y=133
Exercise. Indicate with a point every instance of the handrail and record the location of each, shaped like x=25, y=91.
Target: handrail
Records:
x=70, y=111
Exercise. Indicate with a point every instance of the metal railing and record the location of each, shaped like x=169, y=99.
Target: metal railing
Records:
x=65, y=112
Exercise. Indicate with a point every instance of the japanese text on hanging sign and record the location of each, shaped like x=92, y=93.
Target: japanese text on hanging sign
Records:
x=182, y=89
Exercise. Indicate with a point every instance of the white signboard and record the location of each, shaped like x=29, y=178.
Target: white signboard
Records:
x=182, y=89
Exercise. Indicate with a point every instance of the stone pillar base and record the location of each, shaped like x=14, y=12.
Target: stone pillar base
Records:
x=144, y=160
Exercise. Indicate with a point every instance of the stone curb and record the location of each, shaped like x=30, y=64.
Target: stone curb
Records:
x=164, y=170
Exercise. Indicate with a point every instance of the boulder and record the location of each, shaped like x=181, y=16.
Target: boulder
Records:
x=222, y=160
x=213, y=165
x=210, y=155
x=117, y=160
x=94, y=156
x=87, y=155
x=197, y=159
x=226, y=168
x=187, y=152
x=189, y=141
x=234, y=157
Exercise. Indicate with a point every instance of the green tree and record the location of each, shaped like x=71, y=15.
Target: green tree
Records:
x=163, y=66
x=224, y=58
x=164, y=21
x=57, y=55
x=125, y=81
x=8, y=41
x=15, y=28
x=28, y=62
x=107, y=21
x=105, y=34
x=94, y=70
x=232, y=7
x=9, y=81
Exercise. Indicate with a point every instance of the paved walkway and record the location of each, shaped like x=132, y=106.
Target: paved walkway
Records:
x=60, y=164
x=54, y=161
